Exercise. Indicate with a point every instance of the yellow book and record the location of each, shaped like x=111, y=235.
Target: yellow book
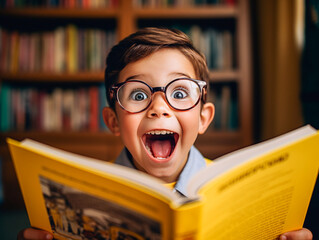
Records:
x=258, y=192
x=72, y=48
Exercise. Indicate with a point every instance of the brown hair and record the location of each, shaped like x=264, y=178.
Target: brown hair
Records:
x=145, y=42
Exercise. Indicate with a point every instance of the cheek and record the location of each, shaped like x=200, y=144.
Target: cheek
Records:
x=129, y=124
x=189, y=122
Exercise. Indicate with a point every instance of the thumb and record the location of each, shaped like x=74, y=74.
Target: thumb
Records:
x=302, y=234
x=36, y=234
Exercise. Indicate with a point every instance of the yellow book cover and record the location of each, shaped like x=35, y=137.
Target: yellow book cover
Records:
x=72, y=48
x=258, y=192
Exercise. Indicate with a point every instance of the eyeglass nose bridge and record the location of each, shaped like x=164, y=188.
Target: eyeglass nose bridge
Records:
x=158, y=89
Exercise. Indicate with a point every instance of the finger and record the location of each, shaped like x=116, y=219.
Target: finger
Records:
x=302, y=234
x=36, y=234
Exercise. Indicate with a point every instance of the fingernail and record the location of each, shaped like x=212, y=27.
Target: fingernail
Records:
x=283, y=237
x=49, y=237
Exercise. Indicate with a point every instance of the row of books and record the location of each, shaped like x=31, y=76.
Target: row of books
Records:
x=52, y=109
x=180, y=3
x=59, y=3
x=70, y=49
x=65, y=49
x=225, y=101
x=216, y=45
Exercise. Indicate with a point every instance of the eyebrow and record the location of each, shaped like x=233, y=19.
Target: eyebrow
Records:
x=137, y=76
x=180, y=73
x=134, y=77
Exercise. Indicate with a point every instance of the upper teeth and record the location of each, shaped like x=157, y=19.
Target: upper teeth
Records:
x=159, y=132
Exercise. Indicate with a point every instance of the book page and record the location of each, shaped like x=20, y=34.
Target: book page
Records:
x=75, y=201
x=236, y=158
x=262, y=198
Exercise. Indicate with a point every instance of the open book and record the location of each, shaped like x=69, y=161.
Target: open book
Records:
x=258, y=192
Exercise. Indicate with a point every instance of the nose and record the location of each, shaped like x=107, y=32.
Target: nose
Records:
x=159, y=107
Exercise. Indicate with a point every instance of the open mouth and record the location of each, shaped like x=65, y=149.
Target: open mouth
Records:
x=160, y=143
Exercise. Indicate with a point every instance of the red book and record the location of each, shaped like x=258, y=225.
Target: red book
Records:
x=71, y=4
x=4, y=50
x=230, y=2
x=94, y=109
x=86, y=3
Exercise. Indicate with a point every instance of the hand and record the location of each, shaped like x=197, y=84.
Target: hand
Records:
x=302, y=234
x=34, y=234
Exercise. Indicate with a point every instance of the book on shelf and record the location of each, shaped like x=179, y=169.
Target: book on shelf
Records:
x=179, y=3
x=64, y=49
x=94, y=109
x=5, y=103
x=216, y=45
x=226, y=107
x=69, y=4
x=58, y=109
x=75, y=197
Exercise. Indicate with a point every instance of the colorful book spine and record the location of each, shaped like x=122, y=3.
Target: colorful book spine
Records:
x=180, y=3
x=60, y=3
x=65, y=49
x=224, y=98
x=60, y=109
x=217, y=45
x=94, y=108
x=5, y=103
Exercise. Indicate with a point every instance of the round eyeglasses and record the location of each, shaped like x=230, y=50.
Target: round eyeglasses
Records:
x=182, y=94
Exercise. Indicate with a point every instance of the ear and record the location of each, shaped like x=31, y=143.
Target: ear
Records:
x=206, y=117
x=111, y=121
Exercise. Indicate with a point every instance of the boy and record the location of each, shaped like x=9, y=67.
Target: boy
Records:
x=156, y=85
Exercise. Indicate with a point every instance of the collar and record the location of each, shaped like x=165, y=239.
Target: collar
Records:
x=194, y=163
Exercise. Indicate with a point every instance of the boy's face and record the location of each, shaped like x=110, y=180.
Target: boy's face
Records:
x=164, y=155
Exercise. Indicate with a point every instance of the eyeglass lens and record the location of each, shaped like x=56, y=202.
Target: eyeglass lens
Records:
x=135, y=96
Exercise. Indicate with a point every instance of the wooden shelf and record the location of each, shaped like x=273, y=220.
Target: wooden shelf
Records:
x=215, y=76
x=67, y=135
x=100, y=145
x=101, y=135
x=59, y=13
x=53, y=77
x=105, y=146
x=168, y=12
x=223, y=76
x=202, y=12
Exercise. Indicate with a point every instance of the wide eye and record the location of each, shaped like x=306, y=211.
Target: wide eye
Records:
x=138, y=95
x=179, y=93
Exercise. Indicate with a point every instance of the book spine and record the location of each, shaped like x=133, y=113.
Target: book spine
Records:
x=94, y=108
x=224, y=98
x=187, y=221
x=102, y=104
x=52, y=109
x=5, y=103
x=65, y=49
x=225, y=106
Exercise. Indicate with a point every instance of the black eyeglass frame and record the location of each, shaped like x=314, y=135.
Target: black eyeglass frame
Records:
x=200, y=83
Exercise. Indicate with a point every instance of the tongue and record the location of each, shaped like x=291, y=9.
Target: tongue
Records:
x=161, y=148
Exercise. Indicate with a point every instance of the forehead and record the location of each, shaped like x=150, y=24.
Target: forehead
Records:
x=161, y=66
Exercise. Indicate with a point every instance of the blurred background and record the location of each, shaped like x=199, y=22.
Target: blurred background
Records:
x=262, y=56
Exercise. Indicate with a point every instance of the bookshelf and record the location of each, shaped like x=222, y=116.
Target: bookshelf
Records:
x=123, y=18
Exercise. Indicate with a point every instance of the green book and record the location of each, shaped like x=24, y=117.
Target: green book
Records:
x=5, y=107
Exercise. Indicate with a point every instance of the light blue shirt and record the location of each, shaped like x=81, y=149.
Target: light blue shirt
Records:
x=194, y=163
